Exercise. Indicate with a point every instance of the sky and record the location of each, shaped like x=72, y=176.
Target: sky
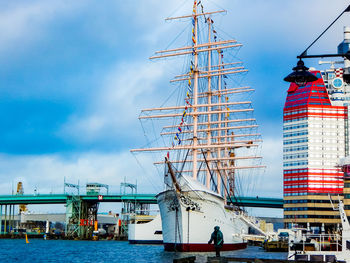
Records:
x=74, y=77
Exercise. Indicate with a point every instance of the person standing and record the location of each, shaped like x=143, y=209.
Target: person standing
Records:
x=218, y=239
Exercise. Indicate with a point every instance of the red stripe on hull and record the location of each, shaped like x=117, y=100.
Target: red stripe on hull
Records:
x=202, y=247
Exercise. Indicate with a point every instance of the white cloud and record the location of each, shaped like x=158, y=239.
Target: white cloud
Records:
x=129, y=86
x=24, y=22
x=272, y=180
x=124, y=91
x=47, y=172
x=282, y=27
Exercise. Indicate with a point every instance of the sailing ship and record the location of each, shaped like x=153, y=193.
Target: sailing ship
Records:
x=211, y=141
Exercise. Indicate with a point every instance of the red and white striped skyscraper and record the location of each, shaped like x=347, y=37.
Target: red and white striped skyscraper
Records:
x=315, y=137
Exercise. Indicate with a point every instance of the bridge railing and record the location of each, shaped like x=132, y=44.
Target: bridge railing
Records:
x=267, y=202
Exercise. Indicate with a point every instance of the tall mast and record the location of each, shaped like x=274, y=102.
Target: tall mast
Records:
x=203, y=125
x=209, y=102
x=195, y=92
x=218, y=173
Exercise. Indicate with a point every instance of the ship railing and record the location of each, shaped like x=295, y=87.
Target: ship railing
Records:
x=255, y=223
x=320, y=242
x=251, y=219
x=146, y=210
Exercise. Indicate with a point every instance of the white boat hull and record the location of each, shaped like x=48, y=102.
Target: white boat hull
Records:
x=146, y=233
x=189, y=218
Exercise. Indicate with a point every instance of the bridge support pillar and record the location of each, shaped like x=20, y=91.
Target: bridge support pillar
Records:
x=5, y=222
x=0, y=219
x=47, y=227
x=9, y=220
x=13, y=216
x=12, y=221
x=80, y=218
x=88, y=219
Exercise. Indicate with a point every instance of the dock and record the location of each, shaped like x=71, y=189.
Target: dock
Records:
x=192, y=259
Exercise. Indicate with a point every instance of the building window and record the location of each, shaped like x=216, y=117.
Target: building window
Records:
x=295, y=148
x=294, y=141
x=293, y=134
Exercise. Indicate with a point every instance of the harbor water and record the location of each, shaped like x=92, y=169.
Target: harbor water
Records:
x=66, y=251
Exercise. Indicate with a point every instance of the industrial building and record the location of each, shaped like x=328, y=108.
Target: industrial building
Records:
x=315, y=138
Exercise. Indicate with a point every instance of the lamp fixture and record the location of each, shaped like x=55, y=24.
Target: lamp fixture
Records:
x=301, y=75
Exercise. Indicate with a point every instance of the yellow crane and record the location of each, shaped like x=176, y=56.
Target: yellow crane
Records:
x=20, y=191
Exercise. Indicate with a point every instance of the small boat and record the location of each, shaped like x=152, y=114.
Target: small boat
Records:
x=323, y=247
x=145, y=229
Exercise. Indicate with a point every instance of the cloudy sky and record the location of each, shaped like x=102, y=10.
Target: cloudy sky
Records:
x=74, y=76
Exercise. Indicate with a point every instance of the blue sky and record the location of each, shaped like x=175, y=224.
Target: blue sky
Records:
x=75, y=75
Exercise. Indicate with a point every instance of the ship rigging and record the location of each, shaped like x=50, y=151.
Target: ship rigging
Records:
x=213, y=136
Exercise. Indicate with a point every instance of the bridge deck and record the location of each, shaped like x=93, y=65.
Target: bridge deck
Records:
x=266, y=202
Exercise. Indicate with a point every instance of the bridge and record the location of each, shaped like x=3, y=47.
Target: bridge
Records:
x=81, y=210
x=263, y=202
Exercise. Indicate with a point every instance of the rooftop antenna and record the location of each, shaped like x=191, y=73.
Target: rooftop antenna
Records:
x=330, y=62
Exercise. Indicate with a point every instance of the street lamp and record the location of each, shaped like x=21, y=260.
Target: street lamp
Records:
x=300, y=75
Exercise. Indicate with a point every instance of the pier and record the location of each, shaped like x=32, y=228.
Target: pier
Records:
x=192, y=259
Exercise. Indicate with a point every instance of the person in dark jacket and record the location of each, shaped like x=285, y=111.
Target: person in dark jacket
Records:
x=218, y=239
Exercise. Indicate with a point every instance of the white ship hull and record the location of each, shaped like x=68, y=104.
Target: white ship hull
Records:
x=188, y=219
x=146, y=233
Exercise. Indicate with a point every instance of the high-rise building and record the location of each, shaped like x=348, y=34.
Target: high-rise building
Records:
x=345, y=164
x=315, y=137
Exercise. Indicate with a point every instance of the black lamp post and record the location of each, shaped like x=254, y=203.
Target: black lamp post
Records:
x=300, y=74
